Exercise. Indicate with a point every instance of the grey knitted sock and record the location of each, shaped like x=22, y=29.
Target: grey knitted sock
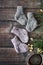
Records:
x=19, y=16
x=31, y=23
x=21, y=33
x=19, y=46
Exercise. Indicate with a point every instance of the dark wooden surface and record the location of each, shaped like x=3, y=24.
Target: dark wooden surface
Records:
x=24, y=3
x=8, y=14
x=8, y=7
x=8, y=56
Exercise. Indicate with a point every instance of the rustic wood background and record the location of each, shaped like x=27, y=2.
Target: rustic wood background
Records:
x=7, y=11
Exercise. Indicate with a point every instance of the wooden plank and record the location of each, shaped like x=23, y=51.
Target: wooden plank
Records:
x=6, y=25
x=11, y=63
x=24, y=3
x=5, y=38
x=9, y=55
x=34, y=34
x=8, y=14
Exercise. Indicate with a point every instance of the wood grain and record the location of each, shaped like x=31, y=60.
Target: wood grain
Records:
x=5, y=38
x=8, y=14
x=8, y=8
x=24, y=3
x=9, y=55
